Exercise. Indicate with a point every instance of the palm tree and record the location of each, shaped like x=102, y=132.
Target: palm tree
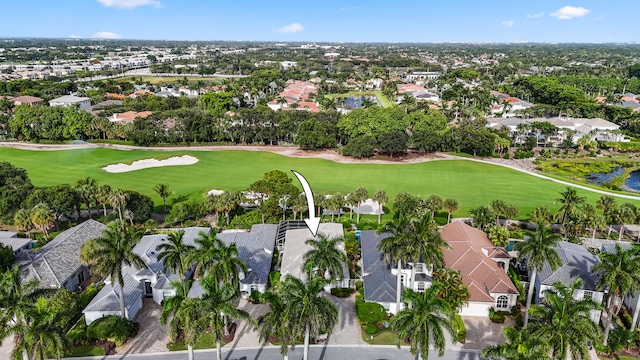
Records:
x=103, y=192
x=381, y=198
x=350, y=201
x=38, y=338
x=568, y=210
x=433, y=203
x=424, y=244
x=110, y=253
x=118, y=199
x=335, y=204
x=626, y=214
x=163, y=191
x=451, y=205
x=520, y=345
x=310, y=313
x=172, y=305
x=510, y=211
x=498, y=235
x=619, y=275
x=424, y=322
x=360, y=195
x=174, y=253
x=565, y=323
x=87, y=189
x=538, y=250
x=206, y=252
x=274, y=323
x=326, y=257
x=393, y=248
x=541, y=215
x=23, y=221
x=499, y=207
x=42, y=218
x=227, y=265
x=206, y=313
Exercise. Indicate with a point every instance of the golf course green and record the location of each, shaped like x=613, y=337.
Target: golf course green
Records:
x=471, y=183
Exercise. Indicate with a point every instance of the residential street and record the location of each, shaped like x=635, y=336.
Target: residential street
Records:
x=319, y=352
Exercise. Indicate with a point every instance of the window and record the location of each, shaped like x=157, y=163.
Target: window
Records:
x=502, y=302
x=167, y=294
x=420, y=268
x=421, y=286
x=81, y=277
x=587, y=295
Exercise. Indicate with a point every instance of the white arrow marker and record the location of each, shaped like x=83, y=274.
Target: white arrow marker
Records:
x=313, y=222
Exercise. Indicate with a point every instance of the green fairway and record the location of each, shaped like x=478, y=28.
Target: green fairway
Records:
x=471, y=183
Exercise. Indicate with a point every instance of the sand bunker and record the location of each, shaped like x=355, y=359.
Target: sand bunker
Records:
x=150, y=163
x=215, y=192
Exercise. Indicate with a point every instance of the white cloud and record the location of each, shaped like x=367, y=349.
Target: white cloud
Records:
x=129, y=4
x=535, y=16
x=508, y=23
x=570, y=12
x=105, y=35
x=74, y=36
x=291, y=28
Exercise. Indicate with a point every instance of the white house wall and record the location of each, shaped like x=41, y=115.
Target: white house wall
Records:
x=91, y=316
x=476, y=308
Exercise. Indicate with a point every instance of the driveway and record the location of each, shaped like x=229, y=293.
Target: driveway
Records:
x=152, y=336
x=6, y=348
x=482, y=332
x=246, y=335
x=347, y=328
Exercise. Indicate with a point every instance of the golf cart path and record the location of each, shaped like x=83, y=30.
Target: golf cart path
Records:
x=331, y=155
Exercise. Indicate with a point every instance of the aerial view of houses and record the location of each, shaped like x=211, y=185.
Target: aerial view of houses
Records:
x=344, y=183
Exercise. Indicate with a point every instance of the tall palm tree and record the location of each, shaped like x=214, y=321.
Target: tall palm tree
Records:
x=172, y=305
x=164, y=192
x=206, y=313
x=520, y=345
x=451, y=205
x=381, y=198
x=424, y=244
x=206, y=252
x=103, y=192
x=111, y=252
x=227, y=265
x=538, y=250
x=393, y=248
x=565, y=323
x=626, y=214
x=499, y=207
x=350, y=201
x=570, y=201
x=38, y=338
x=87, y=188
x=424, y=322
x=541, y=215
x=310, y=313
x=118, y=200
x=360, y=195
x=174, y=253
x=42, y=218
x=619, y=275
x=23, y=221
x=433, y=203
x=275, y=322
x=335, y=204
x=326, y=257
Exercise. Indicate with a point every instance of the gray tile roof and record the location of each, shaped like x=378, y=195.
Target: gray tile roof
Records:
x=295, y=248
x=59, y=259
x=577, y=262
x=610, y=246
x=196, y=290
x=255, y=247
x=15, y=243
x=379, y=283
x=108, y=298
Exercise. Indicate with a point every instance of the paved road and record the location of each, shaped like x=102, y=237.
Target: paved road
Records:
x=317, y=352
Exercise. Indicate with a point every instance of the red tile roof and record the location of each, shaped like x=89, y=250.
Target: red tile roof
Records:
x=481, y=274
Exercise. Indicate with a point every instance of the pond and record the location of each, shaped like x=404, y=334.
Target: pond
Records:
x=355, y=102
x=631, y=184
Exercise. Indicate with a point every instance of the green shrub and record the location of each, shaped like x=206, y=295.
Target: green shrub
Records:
x=498, y=318
x=88, y=294
x=461, y=330
x=360, y=286
x=78, y=333
x=371, y=329
x=254, y=297
x=370, y=312
x=515, y=310
x=112, y=328
x=359, y=299
x=246, y=220
x=342, y=292
x=274, y=278
x=506, y=156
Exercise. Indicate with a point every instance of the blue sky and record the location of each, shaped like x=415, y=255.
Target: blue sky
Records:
x=327, y=20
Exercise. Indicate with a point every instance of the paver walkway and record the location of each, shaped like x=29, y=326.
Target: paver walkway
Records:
x=482, y=332
x=347, y=329
x=152, y=336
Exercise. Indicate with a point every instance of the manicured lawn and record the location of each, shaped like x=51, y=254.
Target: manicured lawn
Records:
x=383, y=338
x=78, y=351
x=384, y=101
x=472, y=184
x=206, y=342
